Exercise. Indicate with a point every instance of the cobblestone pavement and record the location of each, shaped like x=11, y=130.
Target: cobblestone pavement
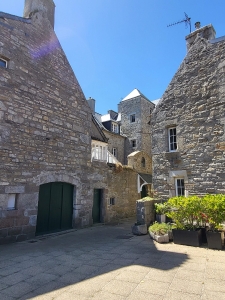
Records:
x=108, y=262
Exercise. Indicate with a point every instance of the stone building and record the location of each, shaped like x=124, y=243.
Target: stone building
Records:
x=127, y=130
x=188, y=124
x=53, y=152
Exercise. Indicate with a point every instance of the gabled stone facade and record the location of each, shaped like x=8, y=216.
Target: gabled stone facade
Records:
x=45, y=123
x=188, y=124
x=49, y=180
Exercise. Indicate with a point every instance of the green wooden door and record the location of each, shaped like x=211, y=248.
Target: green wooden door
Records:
x=55, y=207
x=67, y=207
x=96, y=206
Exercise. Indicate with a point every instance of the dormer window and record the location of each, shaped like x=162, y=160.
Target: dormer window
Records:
x=3, y=63
x=115, y=128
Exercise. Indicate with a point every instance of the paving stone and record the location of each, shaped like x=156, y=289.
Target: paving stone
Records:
x=41, y=279
x=175, y=295
x=215, y=274
x=160, y=275
x=214, y=285
x=215, y=265
x=9, y=270
x=187, y=286
x=14, y=278
x=190, y=275
x=130, y=276
x=153, y=287
x=157, y=273
x=209, y=295
x=143, y=296
x=119, y=287
x=106, y=295
x=17, y=290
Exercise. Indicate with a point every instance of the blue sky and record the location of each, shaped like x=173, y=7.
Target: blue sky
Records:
x=115, y=46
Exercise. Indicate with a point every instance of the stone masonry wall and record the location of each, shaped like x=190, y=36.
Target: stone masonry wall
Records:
x=44, y=123
x=122, y=186
x=116, y=141
x=194, y=102
x=139, y=130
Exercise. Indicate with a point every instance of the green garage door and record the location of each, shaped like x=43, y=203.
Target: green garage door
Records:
x=55, y=207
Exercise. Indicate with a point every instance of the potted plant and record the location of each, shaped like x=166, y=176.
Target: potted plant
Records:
x=160, y=232
x=214, y=212
x=185, y=213
x=160, y=210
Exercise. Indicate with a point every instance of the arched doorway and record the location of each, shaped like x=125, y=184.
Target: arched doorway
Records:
x=55, y=207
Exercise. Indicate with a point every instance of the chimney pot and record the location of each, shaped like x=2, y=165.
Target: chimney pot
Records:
x=197, y=25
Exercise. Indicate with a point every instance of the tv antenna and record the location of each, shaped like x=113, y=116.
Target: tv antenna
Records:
x=187, y=21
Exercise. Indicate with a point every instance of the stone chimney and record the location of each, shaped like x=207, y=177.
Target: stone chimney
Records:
x=207, y=32
x=91, y=103
x=46, y=6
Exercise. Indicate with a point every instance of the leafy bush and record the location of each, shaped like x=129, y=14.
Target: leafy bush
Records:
x=214, y=210
x=186, y=211
x=160, y=228
x=161, y=208
x=193, y=211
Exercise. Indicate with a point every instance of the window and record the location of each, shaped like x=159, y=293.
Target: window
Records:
x=180, y=189
x=133, y=143
x=112, y=201
x=143, y=162
x=114, y=128
x=172, y=134
x=99, y=151
x=3, y=63
x=114, y=152
x=132, y=118
x=11, y=202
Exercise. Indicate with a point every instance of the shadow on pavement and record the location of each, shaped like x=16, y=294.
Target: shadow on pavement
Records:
x=50, y=265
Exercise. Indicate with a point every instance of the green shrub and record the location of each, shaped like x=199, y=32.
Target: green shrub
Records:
x=160, y=228
x=193, y=211
x=214, y=210
x=185, y=211
x=161, y=208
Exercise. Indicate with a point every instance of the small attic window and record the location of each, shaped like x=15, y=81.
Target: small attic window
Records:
x=3, y=63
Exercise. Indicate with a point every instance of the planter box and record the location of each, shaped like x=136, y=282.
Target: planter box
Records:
x=159, y=238
x=187, y=237
x=161, y=218
x=215, y=240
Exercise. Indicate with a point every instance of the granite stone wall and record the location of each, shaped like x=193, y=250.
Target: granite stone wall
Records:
x=194, y=102
x=116, y=141
x=45, y=124
x=122, y=186
x=140, y=129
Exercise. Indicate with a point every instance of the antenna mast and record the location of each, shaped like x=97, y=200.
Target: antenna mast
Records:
x=187, y=21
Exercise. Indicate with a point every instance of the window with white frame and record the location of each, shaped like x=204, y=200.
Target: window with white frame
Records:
x=180, y=188
x=133, y=143
x=132, y=118
x=3, y=63
x=99, y=151
x=115, y=128
x=114, y=152
x=172, y=135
